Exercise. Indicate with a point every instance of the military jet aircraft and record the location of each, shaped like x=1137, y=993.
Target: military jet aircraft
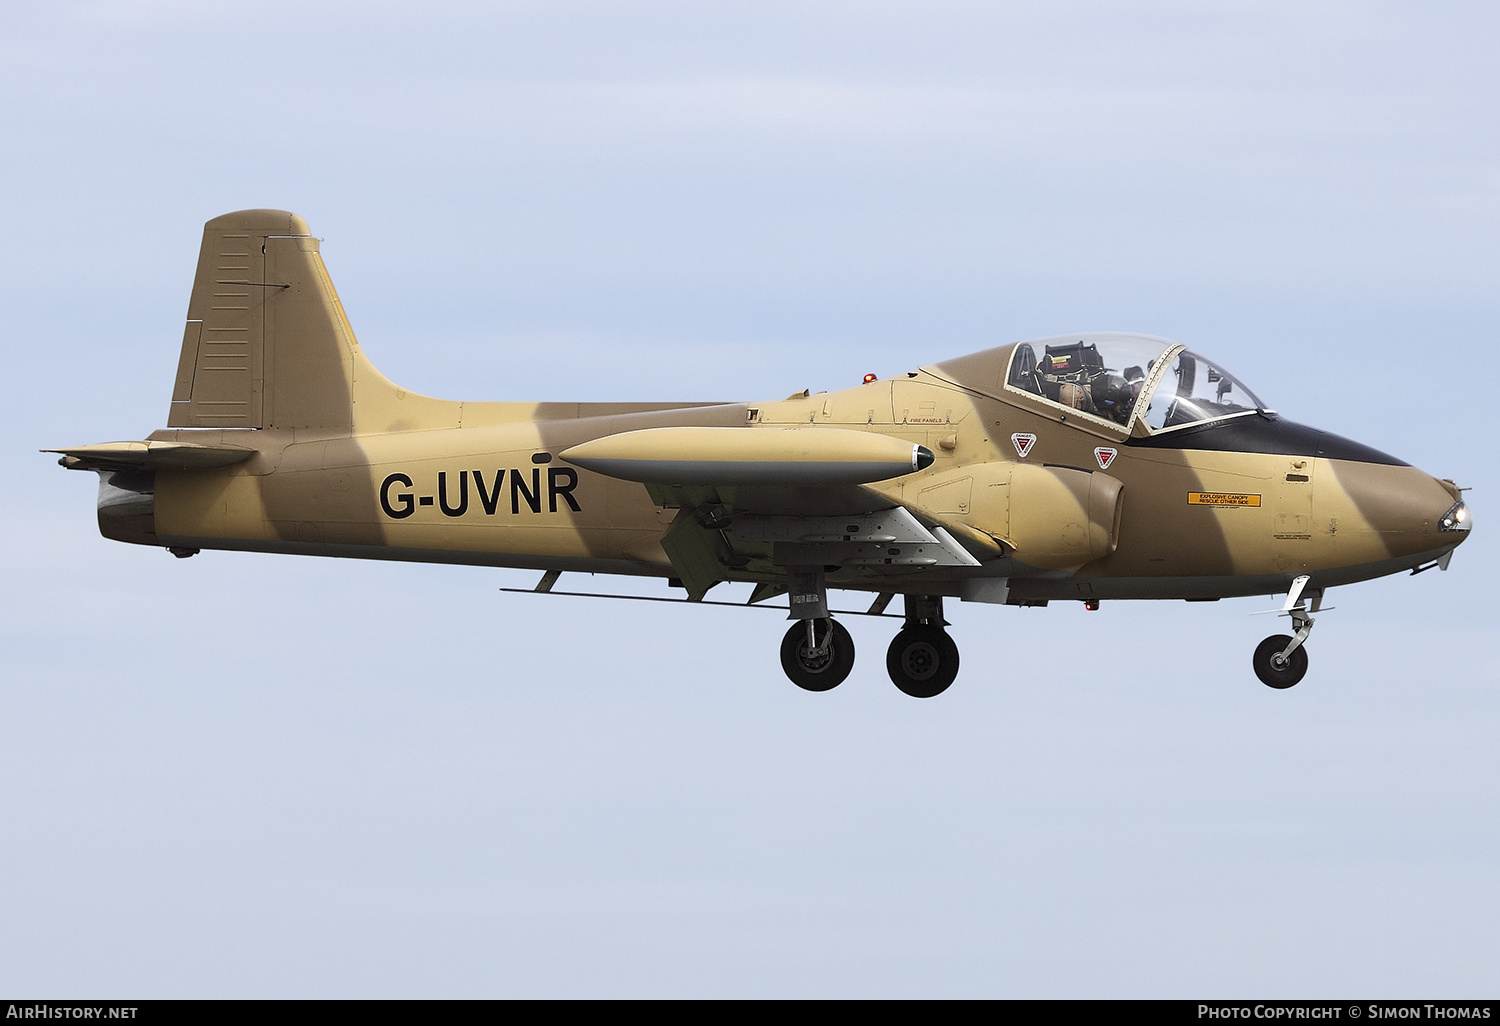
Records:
x=1080, y=467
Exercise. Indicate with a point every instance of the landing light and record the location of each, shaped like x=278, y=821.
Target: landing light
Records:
x=1456, y=519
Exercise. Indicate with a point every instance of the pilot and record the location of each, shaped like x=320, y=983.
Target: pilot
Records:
x=1114, y=396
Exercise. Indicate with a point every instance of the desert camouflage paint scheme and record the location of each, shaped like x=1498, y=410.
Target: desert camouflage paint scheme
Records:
x=1080, y=467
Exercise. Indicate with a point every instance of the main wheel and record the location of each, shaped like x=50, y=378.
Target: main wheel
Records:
x=922, y=661
x=817, y=671
x=1272, y=670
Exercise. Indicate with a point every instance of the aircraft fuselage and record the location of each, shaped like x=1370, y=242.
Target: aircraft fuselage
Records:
x=1085, y=467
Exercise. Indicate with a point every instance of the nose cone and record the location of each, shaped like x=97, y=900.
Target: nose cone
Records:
x=1409, y=512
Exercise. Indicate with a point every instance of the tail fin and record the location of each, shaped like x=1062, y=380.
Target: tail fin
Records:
x=267, y=344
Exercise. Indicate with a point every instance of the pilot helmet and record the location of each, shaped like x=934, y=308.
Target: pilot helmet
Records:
x=1113, y=395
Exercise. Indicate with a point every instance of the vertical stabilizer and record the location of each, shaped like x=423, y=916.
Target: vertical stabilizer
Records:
x=267, y=344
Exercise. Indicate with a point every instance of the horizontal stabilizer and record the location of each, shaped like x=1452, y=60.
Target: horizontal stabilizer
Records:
x=750, y=456
x=151, y=456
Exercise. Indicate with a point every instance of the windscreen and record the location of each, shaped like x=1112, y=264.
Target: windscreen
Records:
x=1105, y=375
x=1195, y=389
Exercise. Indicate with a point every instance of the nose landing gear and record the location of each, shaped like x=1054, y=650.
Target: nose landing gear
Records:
x=1280, y=661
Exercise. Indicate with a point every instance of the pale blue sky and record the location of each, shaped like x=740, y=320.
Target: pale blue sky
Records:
x=269, y=776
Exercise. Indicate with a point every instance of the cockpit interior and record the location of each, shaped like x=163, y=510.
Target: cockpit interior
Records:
x=1118, y=378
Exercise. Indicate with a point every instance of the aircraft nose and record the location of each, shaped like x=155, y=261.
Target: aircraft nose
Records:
x=1453, y=526
x=1409, y=511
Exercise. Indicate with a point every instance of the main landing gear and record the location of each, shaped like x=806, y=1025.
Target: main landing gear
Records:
x=817, y=653
x=922, y=659
x=1280, y=661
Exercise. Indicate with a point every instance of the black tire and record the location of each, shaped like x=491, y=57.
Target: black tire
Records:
x=922, y=661
x=1283, y=676
x=817, y=674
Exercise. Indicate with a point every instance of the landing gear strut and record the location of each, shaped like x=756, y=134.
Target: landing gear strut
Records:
x=1280, y=661
x=922, y=659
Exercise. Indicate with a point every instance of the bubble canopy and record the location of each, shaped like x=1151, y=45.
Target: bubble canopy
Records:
x=1120, y=379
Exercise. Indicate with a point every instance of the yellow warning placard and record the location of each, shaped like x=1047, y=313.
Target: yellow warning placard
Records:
x=1222, y=499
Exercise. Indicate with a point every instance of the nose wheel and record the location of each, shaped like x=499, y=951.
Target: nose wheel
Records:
x=1280, y=661
x=1274, y=668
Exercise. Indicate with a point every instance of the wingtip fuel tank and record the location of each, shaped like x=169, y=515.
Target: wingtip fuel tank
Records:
x=743, y=456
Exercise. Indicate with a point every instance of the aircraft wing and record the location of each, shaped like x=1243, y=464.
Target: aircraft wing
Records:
x=783, y=497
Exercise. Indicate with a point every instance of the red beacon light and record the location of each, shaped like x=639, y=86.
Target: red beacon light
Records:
x=869, y=378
